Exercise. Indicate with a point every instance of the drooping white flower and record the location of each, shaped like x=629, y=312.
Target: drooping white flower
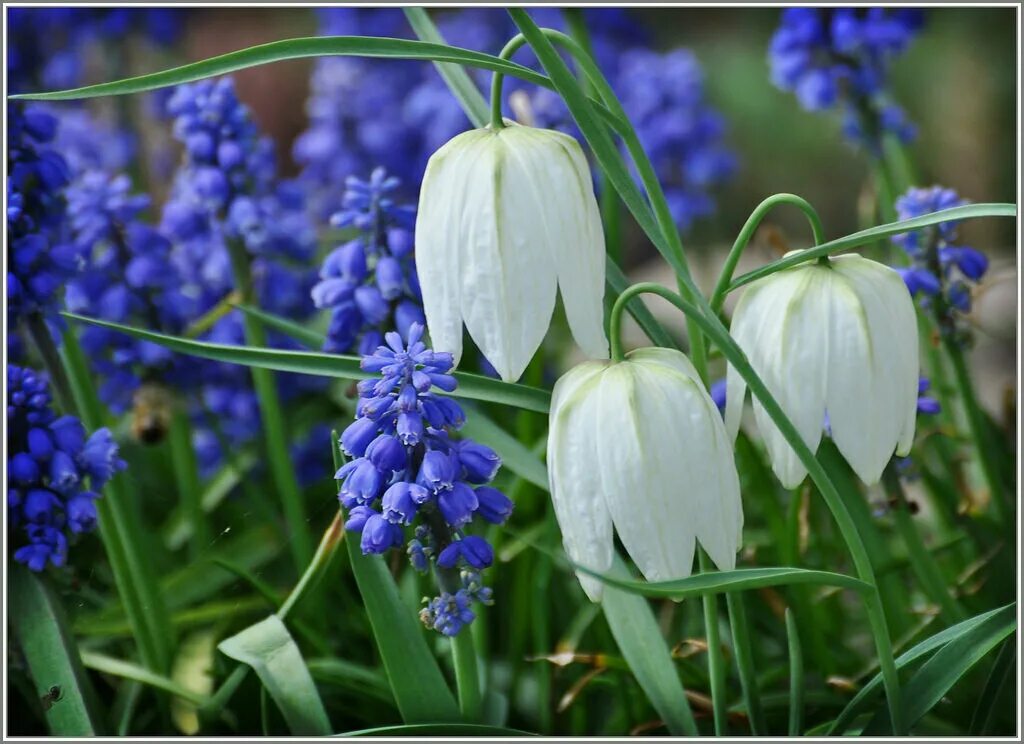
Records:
x=505, y=217
x=640, y=445
x=836, y=339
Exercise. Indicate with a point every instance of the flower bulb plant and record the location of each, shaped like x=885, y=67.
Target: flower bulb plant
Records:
x=584, y=539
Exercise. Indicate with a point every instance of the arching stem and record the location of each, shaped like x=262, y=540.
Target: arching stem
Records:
x=749, y=228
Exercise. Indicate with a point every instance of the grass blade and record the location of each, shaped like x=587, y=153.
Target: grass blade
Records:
x=745, y=662
x=455, y=76
x=718, y=582
x=306, y=336
x=439, y=730
x=1002, y=671
x=127, y=670
x=476, y=387
x=796, y=676
x=639, y=638
x=42, y=633
x=422, y=694
x=268, y=648
x=861, y=701
x=937, y=676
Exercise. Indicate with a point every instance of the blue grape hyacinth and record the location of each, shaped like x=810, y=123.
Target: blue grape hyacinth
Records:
x=40, y=260
x=409, y=471
x=840, y=57
x=369, y=283
x=55, y=472
x=942, y=270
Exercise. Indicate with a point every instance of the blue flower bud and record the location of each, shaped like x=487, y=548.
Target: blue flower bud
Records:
x=457, y=504
x=390, y=277
x=401, y=502
x=362, y=480
x=410, y=427
x=63, y=473
x=920, y=280
x=437, y=472
x=22, y=469
x=494, y=506
x=972, y=263
x=406, y=314
x=81, y=512
x=99, y=458
x=479, y=461
x=371, y=304
x=357, y=517
x=379, y=535
x=387, y=454
x=38, y=504
x=357, y=436
x=40, y=445
x=476, y=552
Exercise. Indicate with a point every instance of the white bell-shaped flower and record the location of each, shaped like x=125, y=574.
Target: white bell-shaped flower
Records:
x=640, y=445
x=505, y=217
x=833, y=342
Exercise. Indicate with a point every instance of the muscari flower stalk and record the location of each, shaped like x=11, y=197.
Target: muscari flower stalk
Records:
x=841, y=56
x=507, y=217
x=838, y=338
x=226, y=190
x=408, y=471
x=41, y=259
x=369, y=283
x=127, y=277
x=942, y=270
x=639, y=444
x=55, y=472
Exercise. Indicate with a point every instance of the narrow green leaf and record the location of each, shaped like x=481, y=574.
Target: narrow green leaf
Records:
x=204, y=614
x=937, y=676
x=796, y=676
x=515, y=456
x=862, y=700
x=476, y=387
x=37, y=619
x=638, y=636
x=306, y=336
x=128, y=670
x=421, y=695
x=864, y=237
x=439, y=729
x=745, y=665
x=456, y=77
x=268, y=648
x=718, y=582
x=1001, y=673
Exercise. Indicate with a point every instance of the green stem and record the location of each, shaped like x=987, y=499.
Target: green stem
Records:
x=652, y=186
x=921, y=559
x=716, y=668
x=467, y=678
x=273, y=419
x=749, y=228
x=796, y=676
x=186, y=471
x=38, y=331
x=134, y=574
x=717, y=332
x=745, y=661
x=980, y=433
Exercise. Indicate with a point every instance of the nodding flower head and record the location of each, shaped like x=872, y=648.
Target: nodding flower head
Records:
x=409, y=471
x=507, y=219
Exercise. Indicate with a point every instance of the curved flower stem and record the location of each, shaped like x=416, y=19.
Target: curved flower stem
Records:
x=749, y=227
x=467, y=675
x=648, y=177
x=717, y=332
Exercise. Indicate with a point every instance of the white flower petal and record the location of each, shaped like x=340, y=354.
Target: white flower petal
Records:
x=639, y=460
x=580, y=258
x=442, y=194
x=576, y=489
